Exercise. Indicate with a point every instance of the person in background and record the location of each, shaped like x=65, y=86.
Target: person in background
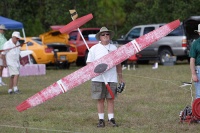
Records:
x=11, y=59
x=132, y=61
x=99, y=91
x=124, y=64
x=195, y=63
x=2, y=41
x=155, y=66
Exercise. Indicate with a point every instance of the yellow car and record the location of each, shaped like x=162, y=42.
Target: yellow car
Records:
x=51, y=48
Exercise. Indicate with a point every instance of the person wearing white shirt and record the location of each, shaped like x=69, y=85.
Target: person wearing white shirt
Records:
x=11, y=59
x=2, y=41
x=99, y=91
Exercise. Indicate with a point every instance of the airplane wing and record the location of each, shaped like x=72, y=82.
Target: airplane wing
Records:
x=86, y=73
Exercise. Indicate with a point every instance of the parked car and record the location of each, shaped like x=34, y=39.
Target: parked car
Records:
x=191, y=24
x=76, y=39
x=174, y=44
x=51, y=48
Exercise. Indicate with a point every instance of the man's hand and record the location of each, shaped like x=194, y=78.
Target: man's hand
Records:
x=195, y=78
x=120, y=88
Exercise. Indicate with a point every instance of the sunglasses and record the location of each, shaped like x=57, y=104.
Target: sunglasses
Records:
x=107, y=34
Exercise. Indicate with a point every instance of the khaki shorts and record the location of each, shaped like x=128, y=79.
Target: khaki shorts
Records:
x=99, y=90
x=13, y=70
x=1, y=62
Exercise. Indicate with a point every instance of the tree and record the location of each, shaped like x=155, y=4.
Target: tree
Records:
x=119, y=15
x=110, y=13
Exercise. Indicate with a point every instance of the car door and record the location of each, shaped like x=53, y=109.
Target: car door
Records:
x=150, y=50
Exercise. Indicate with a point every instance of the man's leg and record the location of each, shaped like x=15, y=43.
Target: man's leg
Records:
x=111, y=119
x=15, y=80
x=110, y=103
x=15, y=83
x=1, y=73
x=100, y=105
x=100, y=108
x=11, y=84
x=1, y=69
x=197, y=84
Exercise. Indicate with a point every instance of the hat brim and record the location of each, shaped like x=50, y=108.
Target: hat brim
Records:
x=19, y=37
x=3, y=29
x=99, y=33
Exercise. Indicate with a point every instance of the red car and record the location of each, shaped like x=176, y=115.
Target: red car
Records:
x=76, y=39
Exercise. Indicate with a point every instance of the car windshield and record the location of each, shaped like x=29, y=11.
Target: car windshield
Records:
x=135, y=33
x=73, y=35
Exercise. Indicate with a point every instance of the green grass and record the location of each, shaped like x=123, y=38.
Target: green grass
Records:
x=151, y=103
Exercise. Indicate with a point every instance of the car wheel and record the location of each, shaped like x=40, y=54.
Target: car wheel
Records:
x=163, y=53
x=64, y=65
x=32, y=60
x=80, y=61
x=67, y=65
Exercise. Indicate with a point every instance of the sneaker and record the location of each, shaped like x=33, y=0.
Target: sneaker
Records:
x=112, y=122
x=10, y=92
x=155, y=66
x=101, y=123
x=2, y=84
x=16, y=92
x=123, y=68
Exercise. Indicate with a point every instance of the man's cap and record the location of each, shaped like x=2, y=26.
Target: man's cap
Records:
x=16, y=34
x=2, y=27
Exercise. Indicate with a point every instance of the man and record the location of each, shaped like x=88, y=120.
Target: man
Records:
x=99, y=91
x=2, y=41
x=195, y=63
x=11, y=59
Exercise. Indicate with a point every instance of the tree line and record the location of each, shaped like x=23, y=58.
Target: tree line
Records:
x=118, y=15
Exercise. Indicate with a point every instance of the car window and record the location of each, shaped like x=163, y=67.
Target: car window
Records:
x=29, y=44
x=148, y=29
x=135, y=33
x=177, y=32
x=73, y=35
x=86, y=33
x=38, y=41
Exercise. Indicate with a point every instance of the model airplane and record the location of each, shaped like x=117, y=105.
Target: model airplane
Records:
x=86, y=73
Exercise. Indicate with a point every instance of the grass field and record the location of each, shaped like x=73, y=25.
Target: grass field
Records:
x=151, y=103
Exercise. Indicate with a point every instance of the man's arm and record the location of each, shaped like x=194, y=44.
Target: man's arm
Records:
x=4, y=60
x=119, y=72
x=193, y=69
